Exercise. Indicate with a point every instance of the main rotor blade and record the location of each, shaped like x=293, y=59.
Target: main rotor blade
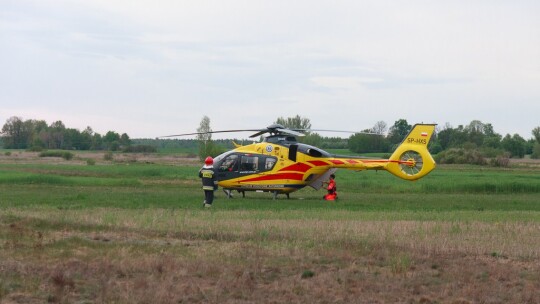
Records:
x=277, y=130
x=337, y=131
x=222, y=131
x=261, y=132
x=291, y=132
x=271, y=129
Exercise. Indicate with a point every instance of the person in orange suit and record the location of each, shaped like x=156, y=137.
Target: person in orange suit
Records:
x=331, y=188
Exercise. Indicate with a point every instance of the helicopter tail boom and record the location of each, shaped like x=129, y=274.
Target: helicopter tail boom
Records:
x=412, y=160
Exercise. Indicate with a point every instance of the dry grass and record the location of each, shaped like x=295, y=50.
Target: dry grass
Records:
x=260, y=256
x=211, y=256
x=24, y=157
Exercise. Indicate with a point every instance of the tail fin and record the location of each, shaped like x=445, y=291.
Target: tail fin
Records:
x=412, y=160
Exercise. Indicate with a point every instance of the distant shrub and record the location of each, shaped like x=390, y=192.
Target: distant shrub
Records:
x=501, y=160
x=140, y=149
x=67, y=155
x=63, y=154
x=35, y=149
x=461, y=156
x=108, y=156
x=90, y=162
x=8, y=153
x=50, y=154
x=210, y=149
x=492, y=152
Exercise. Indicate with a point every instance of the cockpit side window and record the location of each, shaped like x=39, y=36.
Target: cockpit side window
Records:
x=314, y=152
x=269, y=163
x=230, y=164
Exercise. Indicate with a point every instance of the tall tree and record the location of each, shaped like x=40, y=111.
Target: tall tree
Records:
x=124, y=140
x=296, y=122
x=515, y=144
x=536, y=134
x=86, y=138
x=366, y=143
x=475, y=132
x=112, y=140
x=491, y=138
x=57, y=130
x=380, y=127
x=301, y=123
x=398, y=131
x=40, y=133
x=536, y=144
x=205, y=138
x=17, y=134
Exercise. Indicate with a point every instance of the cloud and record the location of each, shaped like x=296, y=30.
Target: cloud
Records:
x=345, y=82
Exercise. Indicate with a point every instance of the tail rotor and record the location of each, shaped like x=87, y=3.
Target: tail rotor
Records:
x=411, y=162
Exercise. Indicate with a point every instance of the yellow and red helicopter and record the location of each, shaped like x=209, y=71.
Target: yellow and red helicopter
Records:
x=280, y=164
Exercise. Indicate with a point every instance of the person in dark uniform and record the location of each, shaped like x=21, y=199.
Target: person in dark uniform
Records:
x=209, y=182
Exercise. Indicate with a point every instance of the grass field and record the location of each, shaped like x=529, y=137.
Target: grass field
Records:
x=132, y=230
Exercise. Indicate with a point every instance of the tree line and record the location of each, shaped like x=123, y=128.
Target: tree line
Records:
x=464, y=143
x=471, y=143
x=37, y=135
x=475, y=135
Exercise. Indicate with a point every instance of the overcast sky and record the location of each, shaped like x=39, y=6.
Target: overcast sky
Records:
x=152, y=68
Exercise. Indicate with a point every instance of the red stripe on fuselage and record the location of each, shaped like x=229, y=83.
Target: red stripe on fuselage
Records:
x=337, y=162
x=298, y=167
x=293, y=176
x=318, y=163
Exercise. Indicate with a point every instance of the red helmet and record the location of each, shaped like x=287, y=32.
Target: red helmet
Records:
x=209, y=161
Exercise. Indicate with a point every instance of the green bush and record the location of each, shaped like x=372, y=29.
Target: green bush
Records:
x=501, y=160
x=210, y=149
x=63, y=154
x=108, y=156
x=67, y=155
x=8, y=153
x=492, y=152
x=50, y=154
x=461, y=156
x=35, y=149
x=90, y=162
x=307, y=274
x=140, y=149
